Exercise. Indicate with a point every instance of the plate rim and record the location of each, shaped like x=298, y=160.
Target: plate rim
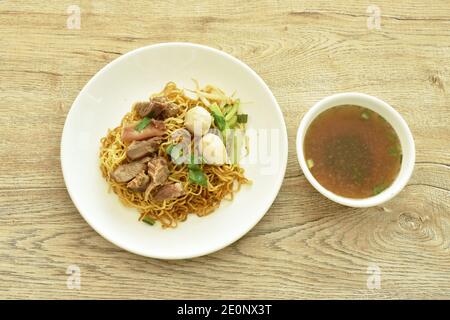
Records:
x=214, y=248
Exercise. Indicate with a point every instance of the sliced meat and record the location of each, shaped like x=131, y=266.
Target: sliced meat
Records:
x=139, y=149
x=157, y=107
x=126, y=172
x=154, y=108
x=159, y=172
x=155, y=128
x=171, y=110
x=143, y=108
x=139, y=183
x=169, y=191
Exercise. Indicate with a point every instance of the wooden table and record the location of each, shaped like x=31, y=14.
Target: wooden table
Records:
x=305, y=246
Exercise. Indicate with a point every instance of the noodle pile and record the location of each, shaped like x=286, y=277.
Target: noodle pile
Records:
x=223, y=181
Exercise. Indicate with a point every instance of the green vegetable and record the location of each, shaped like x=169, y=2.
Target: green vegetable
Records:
x=169, y=149
x=215, y=109
x=365, y=115
x=393, y=151
x=176, y=156
x=310, y=163
x=242, y=118
x=219, y=121
x=232, y=111
x=197, y=176
x=141, y=125
x=192, y=165
x=378, y=189
x=148, y=220
x=392, y=137
x=232, y=122
x=226, y=108
x=194, y=162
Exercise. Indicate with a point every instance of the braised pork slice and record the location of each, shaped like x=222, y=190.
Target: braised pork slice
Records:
x=158, y=171
x=143, y=108
x=155, y=128
x=171, y=110
x=169, y=191
x=157, y=107
x=126, y=172
x=140, y=182
x=139, y=149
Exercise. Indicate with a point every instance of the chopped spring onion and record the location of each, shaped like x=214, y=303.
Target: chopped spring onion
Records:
x=195, y=162
x=365, y=115
x=394, y=152
x=219, y=120
x=176, y=156
x=141, y=125
x=242, y=118
x=148, y=220
x=169, y=149
x=226, y=108
x=310, y=163
x=197, y=176
x=193, y=166
x=215, y=108
x=232, y=121
x=378, y=189
x=232, y=111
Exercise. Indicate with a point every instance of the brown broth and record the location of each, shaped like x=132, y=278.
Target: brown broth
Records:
x=352, y=151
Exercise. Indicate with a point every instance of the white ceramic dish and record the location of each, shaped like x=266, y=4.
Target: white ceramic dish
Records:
x=388, y=113
x=109, y=95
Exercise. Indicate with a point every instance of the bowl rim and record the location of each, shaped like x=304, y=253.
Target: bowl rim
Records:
x=408, y=159
x=269, y=200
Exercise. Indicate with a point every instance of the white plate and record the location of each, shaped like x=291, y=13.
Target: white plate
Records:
x=109, y=95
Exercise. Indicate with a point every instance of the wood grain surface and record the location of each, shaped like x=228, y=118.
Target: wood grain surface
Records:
x=305, y=246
